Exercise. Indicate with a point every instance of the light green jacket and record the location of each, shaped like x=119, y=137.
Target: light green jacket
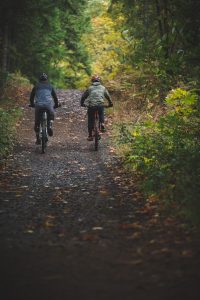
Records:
x=95, y=95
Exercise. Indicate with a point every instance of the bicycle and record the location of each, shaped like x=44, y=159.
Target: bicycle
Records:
x=97, y=126
x=43, y=131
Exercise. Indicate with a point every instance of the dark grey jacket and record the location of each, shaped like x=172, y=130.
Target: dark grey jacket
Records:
x=43, y=94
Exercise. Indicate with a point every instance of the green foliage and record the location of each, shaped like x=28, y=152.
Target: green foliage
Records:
x=14, y=95
x=44, y=36
x=16, y=79
x=105, y=44
x=13, y=92
x=8, y=119
x=163, y=40
x=166, y=152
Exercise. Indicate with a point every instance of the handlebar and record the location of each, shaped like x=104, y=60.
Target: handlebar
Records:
x=105, y=106
x=33, y=105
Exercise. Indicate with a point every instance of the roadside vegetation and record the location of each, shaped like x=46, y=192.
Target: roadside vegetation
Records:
x=12, y=98
x=161, y=148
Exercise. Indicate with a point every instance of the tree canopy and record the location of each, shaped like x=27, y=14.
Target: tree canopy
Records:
x=44, y=36
x=68, y=38
x=163, y=36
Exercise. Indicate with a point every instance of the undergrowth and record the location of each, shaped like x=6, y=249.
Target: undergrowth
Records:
x=165, y=152
x=13, y=95
x=8, y=120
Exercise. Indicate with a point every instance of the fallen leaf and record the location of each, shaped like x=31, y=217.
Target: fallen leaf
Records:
x=50, y=217
x=48, y=224
x=187, y=253
x=153, y=198
x=131, y=226
x=29, y=231
x=90, y=237
x=134, y=236
x=133, y=262
x=97, y=228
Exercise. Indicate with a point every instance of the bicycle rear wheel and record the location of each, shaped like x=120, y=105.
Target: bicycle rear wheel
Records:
x=96, y=132
x=44, y=131
x=96, y=140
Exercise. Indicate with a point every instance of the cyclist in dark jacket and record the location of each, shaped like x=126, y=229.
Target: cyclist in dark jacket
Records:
x=43, y=96
x=94, y=97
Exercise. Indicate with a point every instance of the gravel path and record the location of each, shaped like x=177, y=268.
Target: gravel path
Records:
x=73, y=226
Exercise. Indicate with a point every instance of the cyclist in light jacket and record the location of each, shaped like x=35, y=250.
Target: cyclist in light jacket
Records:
x=94, y=97
x=43, y=96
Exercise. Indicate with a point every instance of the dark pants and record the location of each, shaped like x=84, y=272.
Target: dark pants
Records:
x=38, y=113
x=91, y=117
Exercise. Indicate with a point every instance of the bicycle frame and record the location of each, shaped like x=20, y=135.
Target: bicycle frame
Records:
x=96, y=125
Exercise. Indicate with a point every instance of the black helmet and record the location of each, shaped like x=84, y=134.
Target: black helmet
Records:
x=43, y=77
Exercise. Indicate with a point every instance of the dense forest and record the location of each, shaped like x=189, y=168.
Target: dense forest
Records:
x=159, y=38
x=147, y=53
x=39, y=36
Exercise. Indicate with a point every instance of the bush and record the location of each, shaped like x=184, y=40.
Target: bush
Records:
x=166, y=153
x=15, y=90
x=13, y=95
x=7, y=130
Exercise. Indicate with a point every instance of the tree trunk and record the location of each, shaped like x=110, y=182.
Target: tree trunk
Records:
x=166, y=26
x=5, y=43
x=158, y=10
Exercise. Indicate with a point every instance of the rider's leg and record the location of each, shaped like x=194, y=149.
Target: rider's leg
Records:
x=37, y=125
x=101, y=118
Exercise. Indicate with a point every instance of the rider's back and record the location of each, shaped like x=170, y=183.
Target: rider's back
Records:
x=96, y=94
x=43, y=94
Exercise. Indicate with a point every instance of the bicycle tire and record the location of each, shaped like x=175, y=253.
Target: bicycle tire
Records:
x=96, y=133
x=44, y=131
x=96, y=140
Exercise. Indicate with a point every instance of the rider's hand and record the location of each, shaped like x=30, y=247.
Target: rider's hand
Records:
x=57, y=105
x=31, y=105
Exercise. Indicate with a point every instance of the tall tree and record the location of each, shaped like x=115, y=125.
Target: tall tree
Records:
x=43, y=35
x=165, y=35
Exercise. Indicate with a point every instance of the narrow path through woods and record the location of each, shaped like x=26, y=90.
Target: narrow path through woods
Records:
x=73, y=226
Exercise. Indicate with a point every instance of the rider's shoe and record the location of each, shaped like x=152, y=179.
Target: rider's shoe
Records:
x=49, y=128
x=50, y=131
x=90, y=138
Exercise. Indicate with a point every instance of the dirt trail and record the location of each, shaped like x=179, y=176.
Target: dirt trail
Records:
x=65, y=223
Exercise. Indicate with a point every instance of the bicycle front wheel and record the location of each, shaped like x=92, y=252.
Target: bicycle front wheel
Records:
x=96, y=139
x=43, y=142
x=96, y=134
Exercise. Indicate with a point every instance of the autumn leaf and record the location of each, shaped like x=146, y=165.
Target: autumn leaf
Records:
x=48, y=224
x=29, y=231
x=131, y=226
x=97, y=228
x=90, y=237
x=153, y=198
x=134, y=236
x=187, y=253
